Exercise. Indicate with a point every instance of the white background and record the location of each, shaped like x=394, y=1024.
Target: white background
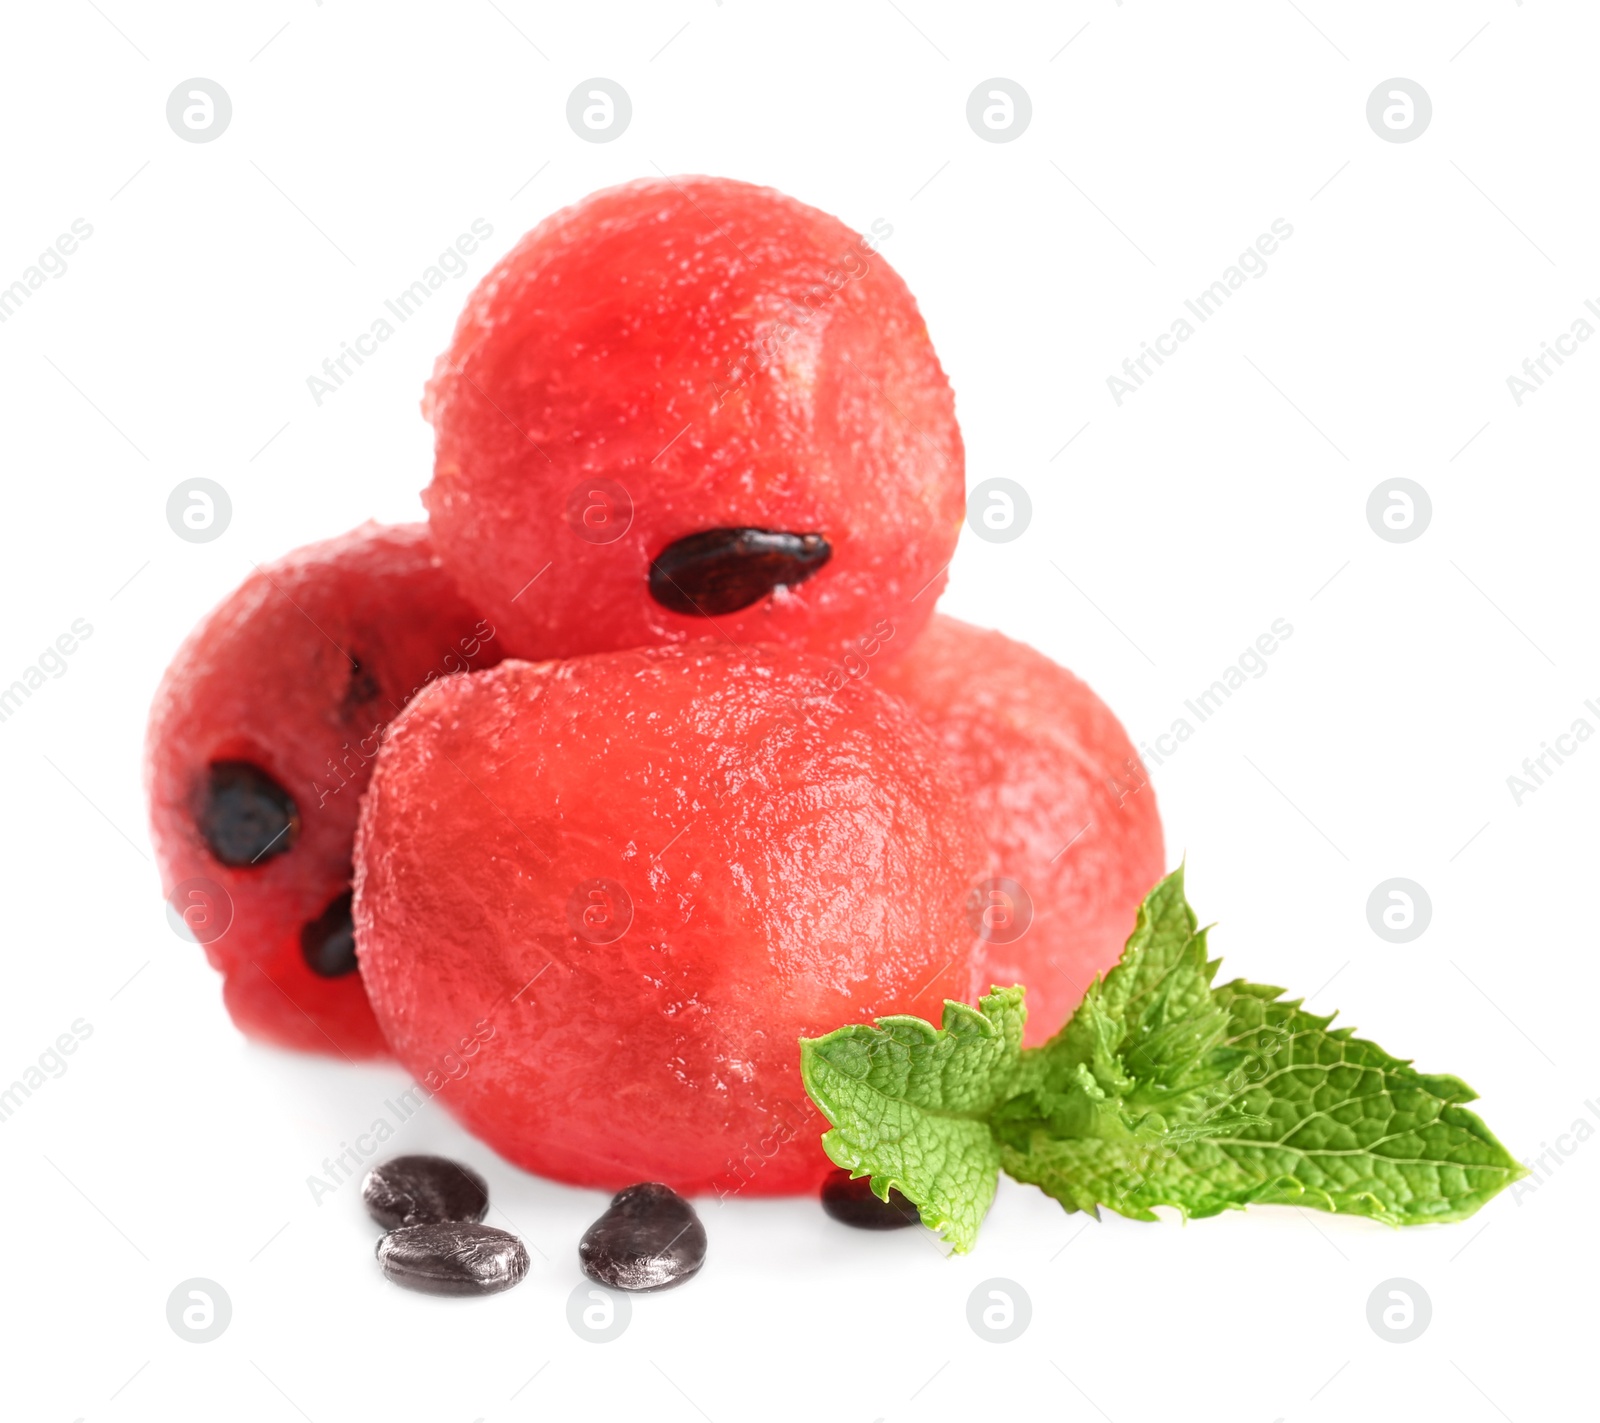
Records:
x=1170, y=532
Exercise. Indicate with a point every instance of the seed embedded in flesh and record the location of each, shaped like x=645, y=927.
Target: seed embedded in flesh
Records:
x=648, y=1239
x=360, y=689
x=328, y=942
x=247, y=818
x=719, y=571
x=853, y=1203
x=455, y=1257
x=424, y=1190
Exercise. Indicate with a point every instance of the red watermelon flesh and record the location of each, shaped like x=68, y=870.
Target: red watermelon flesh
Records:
x=1057, y=789
x=598, y=901
x=261, y=741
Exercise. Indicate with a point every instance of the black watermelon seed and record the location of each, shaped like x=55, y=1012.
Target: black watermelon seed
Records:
x=649, y=1239
x=424, y=1190
x=328, y=942
x=247, y=817
x=361, y=688
x=853, y=1203
x=455, y=1257
x=719, y=571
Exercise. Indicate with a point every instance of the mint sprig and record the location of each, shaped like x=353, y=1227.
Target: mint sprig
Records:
x=1163, y=1089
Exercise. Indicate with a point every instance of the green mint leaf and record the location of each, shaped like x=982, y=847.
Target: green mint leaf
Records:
x=1163, y=1089
x=1231, y=1096
x=1322, y=1118
x=1150, y=1032
x=1142, y=1068
x=910, y=1104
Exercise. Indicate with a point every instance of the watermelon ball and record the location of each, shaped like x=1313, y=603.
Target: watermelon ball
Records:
x=690, y=404
x=1074, y=834
x=261, y=741
x=647, y=874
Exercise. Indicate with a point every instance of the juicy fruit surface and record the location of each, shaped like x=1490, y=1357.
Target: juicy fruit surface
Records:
x=261, y=741
x=647, y=874
x=730, y=358
x=1049, y=769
